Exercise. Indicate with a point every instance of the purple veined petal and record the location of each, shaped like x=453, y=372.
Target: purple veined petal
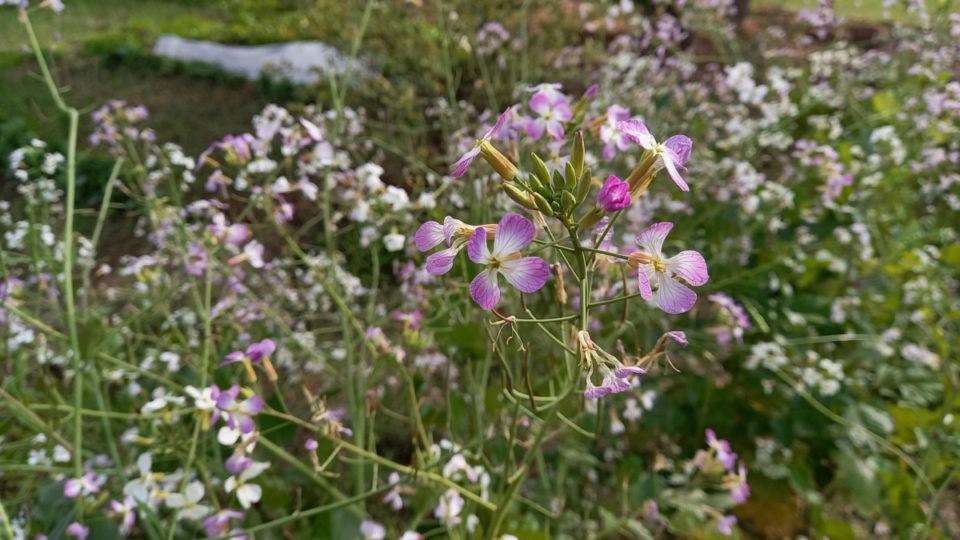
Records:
x=555, y=129
x=534, y=128
x=484, y=289
x=562, y=112
x=643, y=282
x=251, y=405
x=671, y=167
x=540, y=104
x=527, y=274
x=595, y=392
x=615, y=385
x=653, y=236
x=428, y=236
x=450, y=226
x=674, y=297
x=637, y=132
x=690, y=266
x=513, y=234
x=460, y=167
x=679, y=337
x=244, y=423
x=680, y=145
x=477, y=247
x=441, y=262
x=627, y=371
x=500, y=121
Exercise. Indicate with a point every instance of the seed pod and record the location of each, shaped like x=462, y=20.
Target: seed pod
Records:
x=519, y=197
x=583, y=186
x=558, y=182
x=542, y=204
x=571, y=176
x=567, y=202
x=579, y=150
x=540, y=169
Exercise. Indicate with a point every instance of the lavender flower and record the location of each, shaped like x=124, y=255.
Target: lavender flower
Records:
x=671, y=154
x=528, y=274
x=614, y=195
x=672, y=296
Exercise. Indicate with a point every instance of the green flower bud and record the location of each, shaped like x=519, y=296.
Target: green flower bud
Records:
x=542, y=204
x=579, y=150
x=571, y=176
x=583, y=187
x=540, y=169
x=567, y=202
x=519, y=196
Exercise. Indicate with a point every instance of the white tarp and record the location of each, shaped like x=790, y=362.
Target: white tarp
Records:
x=302, y=62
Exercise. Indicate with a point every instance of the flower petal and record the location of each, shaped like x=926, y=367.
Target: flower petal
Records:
x=690, y=266
x=674, y=297
x=450, y=226
x=637, y=132
x=442, y=261
x=653, y=236
x=643, y=281
x=513, y=234
x=680, y=145
x=428, y=236
x=528, y=274
x=534, y=128
x=500, y=121
x=477, y=248
x=668, y=163
x=460, y=167
x=540, y=103
x=484, y=289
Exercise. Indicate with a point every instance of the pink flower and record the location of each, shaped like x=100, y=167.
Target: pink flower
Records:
x=725, y=524
x=127, y=512
x=614, y=195
x=237, y=413
x=722, y=449
x=77, y=530
x=219, y=523
x=527, y=274
x=552, y=112
x=454, y=232
x=614, y=139
x=737, y=484
x=672, y=153
x=85, y=485
x=412, y=318
x=672, y=296
x=460, y=167
x=196, y=261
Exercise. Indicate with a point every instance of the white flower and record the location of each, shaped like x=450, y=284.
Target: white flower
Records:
x=202, y=398
x=188, y=501
x=143, y=487
x=247, y=494
x=449, y=508
x=396, y=198
x=371, y=530
x=394, y=241
x=60, y=454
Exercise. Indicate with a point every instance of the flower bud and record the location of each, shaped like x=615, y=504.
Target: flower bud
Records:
x=567, y=202
x=542, y=204
x=583, y=186
x=519, y=197
x=540, y=169
x=570, y=176
x=579, y=150
x=644, y=167
x=504, y=167
x=558, y=182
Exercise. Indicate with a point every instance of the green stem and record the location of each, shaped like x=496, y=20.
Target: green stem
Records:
x=5, y=520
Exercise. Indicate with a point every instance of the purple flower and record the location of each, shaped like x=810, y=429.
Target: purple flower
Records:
x=127, y=512
x=725, y=524
x=238, y=462
x=85, y=485
x=412, y=319
x=672, y=296
x=77, y=530
x=552, y=112
x=461, y=165
x=219, y=523
x=722, y=449
x=527, y=274
x=737, y=484
x=237, y=414
x=614, y=195
x=615, y=374
x=454, y=232
x=310, y=444
x=196, y=261
x=614, y=139
x=672, y=153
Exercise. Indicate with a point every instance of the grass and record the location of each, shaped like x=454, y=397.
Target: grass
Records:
x=866, y=10
x=85, y=18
